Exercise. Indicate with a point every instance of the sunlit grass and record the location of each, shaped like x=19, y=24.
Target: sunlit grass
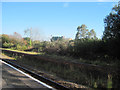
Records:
x=35, y=53
x=4, y=56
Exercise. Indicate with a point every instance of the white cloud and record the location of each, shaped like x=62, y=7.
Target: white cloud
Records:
x=66, y=4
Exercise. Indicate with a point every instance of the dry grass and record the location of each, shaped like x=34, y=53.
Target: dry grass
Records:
x=3, y=56
x=78, y=75
x=100, y=62
x=44, y=69
x=33, y=53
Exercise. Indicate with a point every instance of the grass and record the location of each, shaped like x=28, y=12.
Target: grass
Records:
x=33, y=53
x=109, y=81
x=100, y=61
x=82, y=76
x=6, y=57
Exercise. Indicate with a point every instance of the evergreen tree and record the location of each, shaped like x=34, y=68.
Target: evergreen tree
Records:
x=111, y=34
x=81, y=32
x=112, y=24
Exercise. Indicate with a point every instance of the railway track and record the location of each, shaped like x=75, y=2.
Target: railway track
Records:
x=38, y=77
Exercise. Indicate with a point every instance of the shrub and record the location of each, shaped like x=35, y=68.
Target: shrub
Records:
x=8, y=45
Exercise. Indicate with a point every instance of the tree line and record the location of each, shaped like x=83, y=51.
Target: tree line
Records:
x=85, y=45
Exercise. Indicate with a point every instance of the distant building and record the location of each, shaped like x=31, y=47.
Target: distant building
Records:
x=57, y=38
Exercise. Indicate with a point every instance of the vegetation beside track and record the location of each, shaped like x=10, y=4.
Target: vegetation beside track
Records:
x=80, y=74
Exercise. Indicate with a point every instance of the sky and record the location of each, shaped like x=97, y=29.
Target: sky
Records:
x=54, y=18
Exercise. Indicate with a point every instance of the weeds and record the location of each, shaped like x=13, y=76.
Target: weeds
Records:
x=109, y=81
x=84, y=76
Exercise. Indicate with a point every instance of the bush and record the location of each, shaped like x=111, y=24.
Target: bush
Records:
x=56, y=47
x=87, y=48
x=7, y=45
x=19, y=47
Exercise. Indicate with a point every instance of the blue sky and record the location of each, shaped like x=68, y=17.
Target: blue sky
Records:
x=54, y=18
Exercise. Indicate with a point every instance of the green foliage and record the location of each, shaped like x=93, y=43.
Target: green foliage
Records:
x=88, y=48
x=5, y=38
x=92, y=34
x=112, y=24
x=56, y=47
x=18, y=47
x=82, y=32
x=8, y=45
x=38, y=46
x=28, y=32
x=14, y=41
x=112, y=32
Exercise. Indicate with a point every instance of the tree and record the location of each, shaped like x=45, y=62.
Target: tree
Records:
x=78, y=33
x=27, y=40
x=33, y=34
x=81, y=32
x=28, y=32
x=5, y=38
x=92, y=34
x=112, y=24
x=17, y=36
x=111, y=34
